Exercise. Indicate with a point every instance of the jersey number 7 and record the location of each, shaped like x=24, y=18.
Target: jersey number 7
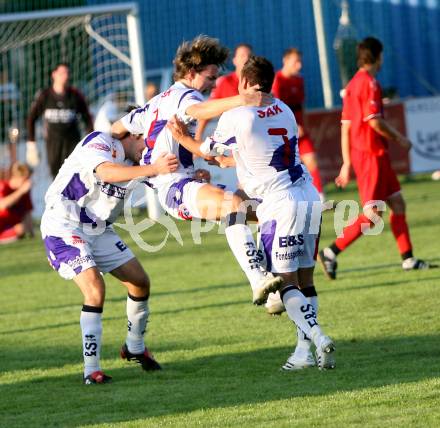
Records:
x=283, y=156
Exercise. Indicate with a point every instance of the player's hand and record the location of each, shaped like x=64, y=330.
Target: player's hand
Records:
x=32, y=156
x=225, y=161
x=177, y=128
x=253, y=97
x=344, y=176
x=300, y=131
x=165, y=163
x=404, y=142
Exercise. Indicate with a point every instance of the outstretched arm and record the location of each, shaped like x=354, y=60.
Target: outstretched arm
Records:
x=113, y=173
x=213, y=108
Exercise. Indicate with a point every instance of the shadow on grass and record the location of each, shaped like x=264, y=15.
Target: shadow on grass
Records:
x=207, y=289
x=107, y=319
x=416, y=280
x=213, y=382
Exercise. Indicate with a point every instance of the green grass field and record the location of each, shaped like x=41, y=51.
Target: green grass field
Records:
x=221, y=355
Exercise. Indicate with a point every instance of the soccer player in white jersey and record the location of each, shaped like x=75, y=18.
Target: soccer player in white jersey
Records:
x=196, y=70
x=264, y=146
x=86, y=196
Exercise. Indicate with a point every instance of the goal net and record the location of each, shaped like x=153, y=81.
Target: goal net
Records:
x=102, y=46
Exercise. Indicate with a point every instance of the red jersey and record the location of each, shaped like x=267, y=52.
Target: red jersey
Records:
x=16, y=212
x=290, y=90
x=226, y=86
x=362, y=102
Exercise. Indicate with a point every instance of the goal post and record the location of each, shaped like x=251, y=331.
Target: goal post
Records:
x=103, y=47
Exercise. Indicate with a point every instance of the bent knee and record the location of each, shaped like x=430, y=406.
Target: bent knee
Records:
x=94, y=296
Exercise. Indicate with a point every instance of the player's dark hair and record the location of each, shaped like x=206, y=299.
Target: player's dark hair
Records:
x=242, y=45
x=197, y=55
x=290, y=51
x=60, y=64
x=131, y=107
x=368, y=51
x=259, y=70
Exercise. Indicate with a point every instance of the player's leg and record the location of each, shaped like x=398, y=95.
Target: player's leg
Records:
x=71, y=256
x=92, y=286
x=133, y=276
x=302, y=356
x=251, y=205
x=112, y=255
x=214, y=203
x=399, y=227
x=368, y=174
x=303, y=314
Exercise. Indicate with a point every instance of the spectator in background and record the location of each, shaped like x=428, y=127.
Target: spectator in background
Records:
x=288, y=86
x=227, y=86
x=60, y=105
x=16, y=205
x=151, y=90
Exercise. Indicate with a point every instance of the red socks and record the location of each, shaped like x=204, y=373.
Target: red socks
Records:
x=352, y=232
x=401, y=232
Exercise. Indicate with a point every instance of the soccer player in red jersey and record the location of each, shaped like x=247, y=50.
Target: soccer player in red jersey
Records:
x=227, y=86
x=364, y=136
x=288, y=86
x=15, y=204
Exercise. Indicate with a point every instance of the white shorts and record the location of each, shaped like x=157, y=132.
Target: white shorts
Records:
x=180, y=198
x=75, y=251
x=289, y=228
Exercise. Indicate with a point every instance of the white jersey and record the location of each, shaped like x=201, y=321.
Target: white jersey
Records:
x=264, y=143
x=77, y=195
x=151, y=122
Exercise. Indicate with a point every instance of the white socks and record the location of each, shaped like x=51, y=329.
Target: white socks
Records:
x=304, y=342
x=91, y=328
x=137, y=316
x=301, y=312
x=242, y=244
x=328, y=252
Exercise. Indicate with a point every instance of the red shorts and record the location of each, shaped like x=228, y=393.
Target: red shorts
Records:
x=9, y=220
x=8, y=235
x=305, y=145
x=376, y=178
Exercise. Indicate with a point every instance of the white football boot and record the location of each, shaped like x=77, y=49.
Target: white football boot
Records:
x=274, y=305
x=325, y=350
x=268, y=284
x=299, y=360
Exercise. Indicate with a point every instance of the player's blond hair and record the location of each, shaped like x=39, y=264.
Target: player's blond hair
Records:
x=20, y=170
x=197, y=55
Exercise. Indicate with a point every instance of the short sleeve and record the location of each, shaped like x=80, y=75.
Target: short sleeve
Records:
x=187, y=99
x=346, y=111
x=97, y=148
x=371, y=100
x=223, y=137
x=134, y=122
